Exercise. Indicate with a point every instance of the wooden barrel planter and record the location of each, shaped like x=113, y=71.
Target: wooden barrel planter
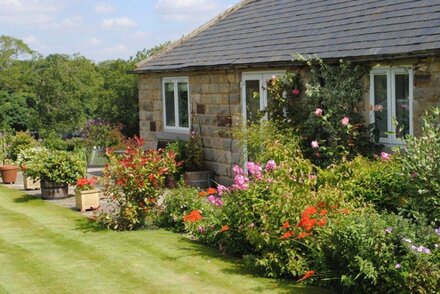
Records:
x=51, y=190
x=199, y=179
x=9, y=173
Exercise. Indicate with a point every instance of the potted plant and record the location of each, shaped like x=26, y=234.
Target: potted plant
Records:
x=196, y=174
x=56, y=170
x=23, y=158
x=86, y=196
x=7, y=170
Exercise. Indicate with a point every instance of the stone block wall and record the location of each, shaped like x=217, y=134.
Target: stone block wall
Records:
x=215, y=105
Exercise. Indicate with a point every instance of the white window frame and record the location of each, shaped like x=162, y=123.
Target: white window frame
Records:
x=176, y=128
x=391, y=72
x=261, y=76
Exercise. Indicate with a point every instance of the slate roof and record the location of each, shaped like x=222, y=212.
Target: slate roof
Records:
x=269, y=31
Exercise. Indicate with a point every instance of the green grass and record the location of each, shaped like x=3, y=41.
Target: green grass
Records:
x=49, y=249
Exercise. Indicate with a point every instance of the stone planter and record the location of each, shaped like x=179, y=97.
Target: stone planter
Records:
x=88, y=199
x=30, y=184
x=9, y=173
x=199, y=179
x=51, y=191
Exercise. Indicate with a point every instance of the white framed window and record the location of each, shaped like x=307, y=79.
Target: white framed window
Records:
x=391, y=97
x=176, y=104
x=254, y=94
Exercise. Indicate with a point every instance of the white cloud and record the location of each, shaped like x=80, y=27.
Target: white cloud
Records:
x=73, y=22
x=118, y=22
x=104, y=8
x=29, y=12
x=31, y=40
x=139, y=35
x=94, y=41
x=188, y=10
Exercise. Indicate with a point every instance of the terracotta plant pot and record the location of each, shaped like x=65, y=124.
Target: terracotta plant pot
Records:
x=51, y=191
x=88, y=199
x=9, y=173
x=30, y=184
x=199, y=179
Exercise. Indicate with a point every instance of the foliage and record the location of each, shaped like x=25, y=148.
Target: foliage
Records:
x=133, y=183
x=284, y=99
x=379, y=182
x=56, y=166
x=194, y=156
x=101, y=134
x=421, y=163
x=53, y=141
x=19, y=142
x=26, y=155
x=16, y=111
x=179, y=202
x=12, y=48
x=367, y=252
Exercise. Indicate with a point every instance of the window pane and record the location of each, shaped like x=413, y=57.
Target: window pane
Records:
x=169, y=105
x=183, y=105
x=252, y=100
x=380, y=104
x=402, y=105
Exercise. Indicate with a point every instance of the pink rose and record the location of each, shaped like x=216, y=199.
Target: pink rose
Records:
x=318, y=112
x=385, y=156
x=345, y=121
x=315, y=144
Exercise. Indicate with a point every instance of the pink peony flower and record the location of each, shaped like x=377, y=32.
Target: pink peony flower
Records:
x=271, y=165
x=315, y=144
x=237, y=170
x=221, y=190
x=345, y=121
x=295, y=92
x=318, y=112
x=385, y=156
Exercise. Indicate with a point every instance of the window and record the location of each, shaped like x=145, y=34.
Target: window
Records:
x=391, y=96
x=254, y=94
x=176, y=104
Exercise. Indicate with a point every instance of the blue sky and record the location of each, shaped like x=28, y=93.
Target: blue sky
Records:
x=103, y=29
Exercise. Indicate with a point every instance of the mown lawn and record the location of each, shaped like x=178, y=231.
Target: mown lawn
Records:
x=49, y=249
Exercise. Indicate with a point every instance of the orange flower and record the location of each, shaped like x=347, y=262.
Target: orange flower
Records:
x=303, y=235
x=323, y=212
x=203, y=194
x=307, y=275
x=322, y=222
x=224, y=228
x=286, y=235
x=193, y=216
x=212, y=191
x=286, y=225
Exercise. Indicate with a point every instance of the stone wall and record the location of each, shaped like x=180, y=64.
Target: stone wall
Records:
x=215, y=103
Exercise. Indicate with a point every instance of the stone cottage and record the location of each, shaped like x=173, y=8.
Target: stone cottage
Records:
x=211, y=72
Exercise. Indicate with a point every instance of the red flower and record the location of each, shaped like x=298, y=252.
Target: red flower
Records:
x=193, y=216
x=286, y=235
x=212, y=191
x=322, y=222
x=203, y=193
x=303, y=235
x=224, y=228
x=286, y=225
x=295, y=92
x=323, y=212
x=307, y=275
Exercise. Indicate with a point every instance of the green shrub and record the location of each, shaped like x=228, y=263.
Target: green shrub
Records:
x=56, y=166
x=101, y=134
x=367, y=252
x=179, y=202
x=421, y=163
x=19, y=142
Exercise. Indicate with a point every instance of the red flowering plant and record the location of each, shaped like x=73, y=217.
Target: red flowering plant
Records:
x=133, y=182
x=85, y=184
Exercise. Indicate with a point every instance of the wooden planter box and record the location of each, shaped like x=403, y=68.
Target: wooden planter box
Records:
x=88, y=199
x=30, y=184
